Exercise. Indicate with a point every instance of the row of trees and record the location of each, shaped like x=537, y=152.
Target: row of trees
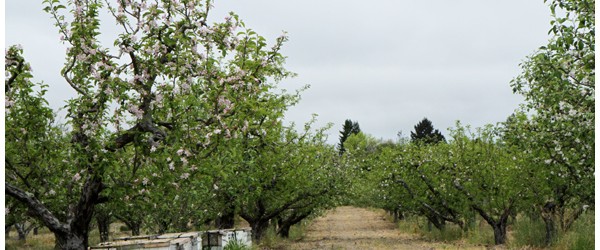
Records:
x=539, y=162
x=175, y=125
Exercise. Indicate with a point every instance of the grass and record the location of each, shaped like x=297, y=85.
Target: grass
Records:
x=525, y=233
x=272, y=241
x=418, y=225
x=581, y=235
x=528, y=232
x=43, y=241
x=45, y=238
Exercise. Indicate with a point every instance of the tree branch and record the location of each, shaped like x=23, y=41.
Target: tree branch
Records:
x=37, y=208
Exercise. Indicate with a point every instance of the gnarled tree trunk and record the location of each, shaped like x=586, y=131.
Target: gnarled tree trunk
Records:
x=73, y=235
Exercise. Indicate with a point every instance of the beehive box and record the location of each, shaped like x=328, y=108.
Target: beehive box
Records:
x=173, y=241
x=218, y=239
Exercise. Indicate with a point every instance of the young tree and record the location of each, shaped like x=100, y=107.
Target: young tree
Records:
x=170, y=77
x=287, y=172
x=349, y=128
x=491, y=176
x=425, y=133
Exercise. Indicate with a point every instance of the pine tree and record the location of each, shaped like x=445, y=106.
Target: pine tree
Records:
x=425, y=133
x=349, y=128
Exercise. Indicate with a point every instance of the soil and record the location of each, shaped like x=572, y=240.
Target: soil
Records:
x=360, y=228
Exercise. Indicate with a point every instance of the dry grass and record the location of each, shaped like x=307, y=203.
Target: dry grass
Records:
x=45, y=238
x=359, y=228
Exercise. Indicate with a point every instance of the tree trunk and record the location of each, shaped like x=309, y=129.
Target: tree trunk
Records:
x=226, y=220
x=135, y=230
x=499, y=234
x=103, y=221
x=21, y=231
x=395, y=213
x=71, y=241
x=548, y=212
x=134, y=224
x=259, y=227
x=35, y=230
x=284, y=230
x=500, y=228
x=71, y=235
x=550, y=230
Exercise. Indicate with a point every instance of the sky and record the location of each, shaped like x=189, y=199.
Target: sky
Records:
x=386, y=64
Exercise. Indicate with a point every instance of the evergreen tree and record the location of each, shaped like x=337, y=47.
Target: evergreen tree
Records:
x=425, y=133
x=349, y=128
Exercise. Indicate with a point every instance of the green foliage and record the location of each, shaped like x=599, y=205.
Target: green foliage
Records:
x=236, y=245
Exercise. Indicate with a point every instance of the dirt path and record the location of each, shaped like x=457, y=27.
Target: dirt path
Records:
x=359, y=228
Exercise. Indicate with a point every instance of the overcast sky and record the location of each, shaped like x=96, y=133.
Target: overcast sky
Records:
x=384, y=63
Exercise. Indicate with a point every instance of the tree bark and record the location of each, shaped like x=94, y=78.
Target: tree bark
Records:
x=396, y=215
x=73, y=235
x=71, y=241
x=22, y=230
x=499, y=234
x=286, y=223
x=547, y=214
x=259, y=228
x=284, y=230
x=226, y=220
x=134, y=223
x=103, y=221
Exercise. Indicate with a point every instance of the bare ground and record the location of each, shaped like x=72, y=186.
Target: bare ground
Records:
x=360, y=228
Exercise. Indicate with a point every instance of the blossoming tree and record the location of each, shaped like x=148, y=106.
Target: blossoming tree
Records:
x=558, y=83
x=169, y=81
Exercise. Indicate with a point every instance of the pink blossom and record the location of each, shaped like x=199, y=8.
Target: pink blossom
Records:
x=205, y=31
x=136, y=111
x=184, y=176
x=172, y=166
x=8, y=103
x=158, y=97
x=180, y=151
x=185, y=87
x=76, y=177
x=245, y=127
